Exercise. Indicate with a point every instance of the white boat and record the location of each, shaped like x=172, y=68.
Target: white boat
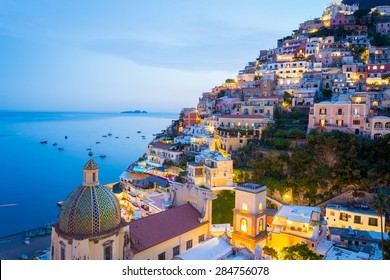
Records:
x=103, y=155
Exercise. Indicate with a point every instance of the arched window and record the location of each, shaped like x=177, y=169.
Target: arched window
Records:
x=377, y=136
x=244, y=225
x=261, y=222
x=378, y=125
x=387, y=125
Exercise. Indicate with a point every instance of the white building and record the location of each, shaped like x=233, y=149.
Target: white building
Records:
x=356, y=218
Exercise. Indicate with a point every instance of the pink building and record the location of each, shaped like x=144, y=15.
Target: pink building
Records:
x=189, y=116
x=342, y=20
x=347, y=116
x=378, y=68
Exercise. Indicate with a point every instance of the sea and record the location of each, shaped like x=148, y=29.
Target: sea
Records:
x=35, y=176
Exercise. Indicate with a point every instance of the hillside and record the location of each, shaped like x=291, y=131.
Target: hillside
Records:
x=366, y=4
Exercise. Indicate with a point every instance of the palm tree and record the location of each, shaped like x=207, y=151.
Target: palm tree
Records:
x=380, y=203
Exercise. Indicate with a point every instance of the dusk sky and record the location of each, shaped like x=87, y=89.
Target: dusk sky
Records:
x=120, y=55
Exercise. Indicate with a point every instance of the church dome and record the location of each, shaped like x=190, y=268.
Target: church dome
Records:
x=89, y=211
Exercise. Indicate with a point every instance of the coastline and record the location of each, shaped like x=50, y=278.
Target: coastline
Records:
x=12, y=246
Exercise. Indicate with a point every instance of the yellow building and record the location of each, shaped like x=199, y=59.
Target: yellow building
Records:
x=250, y=216
x=212, y=170
x=295, y=225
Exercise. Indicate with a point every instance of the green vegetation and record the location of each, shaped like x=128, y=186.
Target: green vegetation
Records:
x=299, y=252
x=380, y=40
x=338, y=33
x=223, y=208
x=367, y=4
x=317, y=166
x=386, y=249
x=326, y=94
x=287, y=100
x=380, y=204
x=270, y=252
x=362, y=12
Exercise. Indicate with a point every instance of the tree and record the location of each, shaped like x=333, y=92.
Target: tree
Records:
x=299, y=252
x=386, y=249
x=287, y=99
x=271, y=252
x=380, y=203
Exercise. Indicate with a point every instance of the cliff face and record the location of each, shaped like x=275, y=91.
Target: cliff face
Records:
x=367, y=4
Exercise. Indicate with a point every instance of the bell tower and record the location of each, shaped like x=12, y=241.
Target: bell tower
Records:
x=91, y=173
x=250, y=216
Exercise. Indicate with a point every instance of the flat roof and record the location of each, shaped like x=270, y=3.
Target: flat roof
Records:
x=352, y=209
x=251, y=187
x=337, y=253
x=300, y=214
x=213, y=249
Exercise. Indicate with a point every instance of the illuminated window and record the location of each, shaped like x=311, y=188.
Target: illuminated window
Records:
x=260, y=207
x=244, y=207
x=375, y=67
x=244, y=226
x=378, y=125
x=382, y=67
x=261, y=222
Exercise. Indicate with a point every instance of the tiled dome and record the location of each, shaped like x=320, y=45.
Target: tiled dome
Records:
x=89, y=211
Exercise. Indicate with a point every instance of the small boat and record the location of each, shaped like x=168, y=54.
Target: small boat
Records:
x=143, y=137
x=61, y=148
x=109, y=134
x=127, y=136
x=59, y=203
x=43, y=142
x=98, y=142
x=138, y=131
x=66, y=137
x=55, y=144
x=88, y=149
x=103, y=155
x=116, y=137
x=104, y=136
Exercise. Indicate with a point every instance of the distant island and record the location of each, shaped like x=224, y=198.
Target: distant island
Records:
x=134, y=112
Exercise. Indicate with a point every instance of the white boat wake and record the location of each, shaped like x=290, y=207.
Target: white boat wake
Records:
x=8, y=205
